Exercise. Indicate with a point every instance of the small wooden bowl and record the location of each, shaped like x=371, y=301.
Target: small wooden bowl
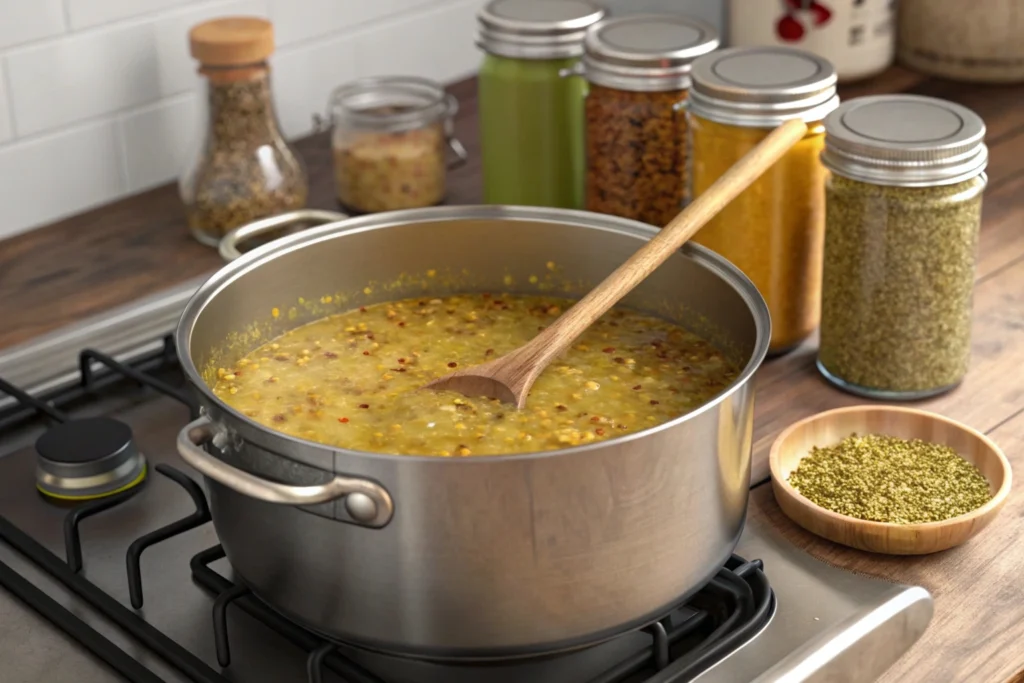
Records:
x=832, y=426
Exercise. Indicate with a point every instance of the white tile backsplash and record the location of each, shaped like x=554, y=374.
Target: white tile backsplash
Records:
x=304, y=76
x=22, y=21
x=98, y=98
x=159, y=140
x=48, y=178
x=107, y=70
x=87, y=13
x=423, y=44
x=6, y=132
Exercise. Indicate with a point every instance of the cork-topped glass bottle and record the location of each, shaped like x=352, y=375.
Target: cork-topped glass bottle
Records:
x=244, y=169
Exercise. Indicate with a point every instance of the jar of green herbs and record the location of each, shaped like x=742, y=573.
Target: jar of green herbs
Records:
x=903, y=212
x=530, y=100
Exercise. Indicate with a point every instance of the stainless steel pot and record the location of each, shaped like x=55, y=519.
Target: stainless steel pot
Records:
x=479, y=557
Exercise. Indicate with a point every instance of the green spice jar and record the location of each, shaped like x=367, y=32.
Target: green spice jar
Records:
x=245, y=169
x=903, y=211
x=639, y=73
x=531, y=103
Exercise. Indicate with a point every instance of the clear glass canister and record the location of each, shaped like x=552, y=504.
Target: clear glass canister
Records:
x=774, y=230
x=393, y=143
x=531, y=115
x=636, y=130
x=903, y=212
x=244, y=169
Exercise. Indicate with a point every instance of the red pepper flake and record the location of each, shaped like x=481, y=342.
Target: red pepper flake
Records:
x=279, y=417
x=366, y=353
x=364, y=406
x=330, y=354
x=342, y=420
x=362, y=309
x=401, y=360
x=599, y=431
x=369, y=335
x=620, y=360
x=608, y=349
x=654, y=403
x=489, y=352
x=636, y=388
x=486, y=295
x=594, y=419
x=401, y=323
x=453, y=364
x=560, y=408
x=499, y=302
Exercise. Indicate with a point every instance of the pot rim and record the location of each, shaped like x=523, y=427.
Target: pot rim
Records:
x=265, y=253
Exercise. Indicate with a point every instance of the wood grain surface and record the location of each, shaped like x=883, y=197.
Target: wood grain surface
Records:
x=88, y=263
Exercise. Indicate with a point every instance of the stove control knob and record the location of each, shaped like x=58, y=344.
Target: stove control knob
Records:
x=361, y=507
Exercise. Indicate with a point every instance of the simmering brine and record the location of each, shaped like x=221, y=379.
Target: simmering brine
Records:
x=355, y=380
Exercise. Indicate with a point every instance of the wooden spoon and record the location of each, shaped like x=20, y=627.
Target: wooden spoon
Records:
x=510, y=377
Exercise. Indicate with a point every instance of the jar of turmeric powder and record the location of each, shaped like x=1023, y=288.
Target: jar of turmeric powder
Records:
x=774, y=230
x=638, y=68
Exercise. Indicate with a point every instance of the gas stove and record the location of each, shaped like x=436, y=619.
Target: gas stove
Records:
x=131, y=583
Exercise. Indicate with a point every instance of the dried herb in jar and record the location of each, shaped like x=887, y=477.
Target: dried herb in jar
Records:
x=245, y=170
x=636, y=154
x=887, y=479
x=898, y=282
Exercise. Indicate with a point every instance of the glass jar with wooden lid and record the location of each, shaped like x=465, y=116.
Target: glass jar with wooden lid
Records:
x=774, y=230
x=638, y=68
x=244, y=168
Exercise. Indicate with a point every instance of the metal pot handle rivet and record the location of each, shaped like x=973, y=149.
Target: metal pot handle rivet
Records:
x=368, y=503
x=229, y=243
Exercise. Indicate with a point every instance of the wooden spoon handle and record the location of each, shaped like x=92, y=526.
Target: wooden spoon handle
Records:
x=557, y=337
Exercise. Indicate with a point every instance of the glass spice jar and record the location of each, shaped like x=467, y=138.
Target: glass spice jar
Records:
x=903, y=212
x=774, y=230
x=391, y=141
x=531, y=116
x=245, y=169
x=638, y=68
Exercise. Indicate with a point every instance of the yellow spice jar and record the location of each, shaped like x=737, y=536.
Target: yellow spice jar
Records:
x=774, y=230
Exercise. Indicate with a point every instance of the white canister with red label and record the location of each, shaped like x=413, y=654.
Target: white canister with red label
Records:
x=857, y=36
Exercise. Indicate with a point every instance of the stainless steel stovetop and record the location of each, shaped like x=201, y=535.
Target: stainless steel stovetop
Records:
x=828, y=624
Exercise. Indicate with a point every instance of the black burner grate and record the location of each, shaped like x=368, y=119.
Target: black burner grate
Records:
x=726, y=613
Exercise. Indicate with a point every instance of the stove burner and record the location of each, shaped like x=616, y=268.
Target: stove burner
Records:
x=88, y=458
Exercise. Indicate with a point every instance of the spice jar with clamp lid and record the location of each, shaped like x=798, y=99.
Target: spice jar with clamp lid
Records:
x=531, y=113
x=638, y=68
x=774, y=230
x=903, y=212
x=244, y=169
x=393, y=143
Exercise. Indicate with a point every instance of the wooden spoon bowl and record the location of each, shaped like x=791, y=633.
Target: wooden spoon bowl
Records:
x=832, y=426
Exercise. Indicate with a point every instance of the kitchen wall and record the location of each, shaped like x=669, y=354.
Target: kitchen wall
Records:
x=98, y=97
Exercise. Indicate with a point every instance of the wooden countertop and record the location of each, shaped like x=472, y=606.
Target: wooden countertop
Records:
x=84, y=265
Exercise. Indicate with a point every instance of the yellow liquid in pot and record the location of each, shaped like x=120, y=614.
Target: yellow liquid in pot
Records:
x=354, y=380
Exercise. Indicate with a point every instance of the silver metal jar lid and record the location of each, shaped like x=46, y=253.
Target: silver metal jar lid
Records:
x=762, y=87
x=646, y=53
x=536, y=29
x=905, y=140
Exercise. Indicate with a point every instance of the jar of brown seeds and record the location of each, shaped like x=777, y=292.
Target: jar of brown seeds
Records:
x=638, y=68
x=903, y=212
x=245, y=169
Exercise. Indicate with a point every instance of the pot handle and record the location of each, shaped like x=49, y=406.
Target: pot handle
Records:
x=367, y=503
x=229, y=243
